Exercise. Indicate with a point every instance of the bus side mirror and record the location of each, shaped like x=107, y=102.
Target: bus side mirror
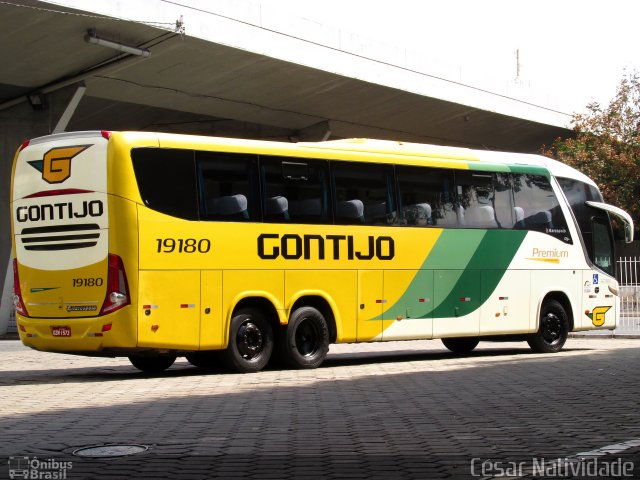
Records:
x=621, y=214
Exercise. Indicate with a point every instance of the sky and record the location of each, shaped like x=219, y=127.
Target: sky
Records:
x=571, y=52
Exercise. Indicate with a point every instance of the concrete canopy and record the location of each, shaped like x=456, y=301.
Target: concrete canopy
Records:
x=192, y=85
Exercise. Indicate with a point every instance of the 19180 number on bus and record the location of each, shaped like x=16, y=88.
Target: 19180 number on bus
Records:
x=183, y=245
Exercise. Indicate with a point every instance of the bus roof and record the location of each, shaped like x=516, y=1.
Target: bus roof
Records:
x=556, y=168
x=364, y=145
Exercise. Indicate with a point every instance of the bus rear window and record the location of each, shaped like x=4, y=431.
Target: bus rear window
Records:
x=166, y=180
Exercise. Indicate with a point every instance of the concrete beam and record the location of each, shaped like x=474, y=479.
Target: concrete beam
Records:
x=70, y=110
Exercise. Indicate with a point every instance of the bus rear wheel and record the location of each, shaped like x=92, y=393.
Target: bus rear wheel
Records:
x=461, y=345
x=152, y=364
x=250, y=342
x=304, y=342
x=554, y=328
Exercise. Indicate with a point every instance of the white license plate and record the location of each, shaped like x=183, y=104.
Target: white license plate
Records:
x=61, y=331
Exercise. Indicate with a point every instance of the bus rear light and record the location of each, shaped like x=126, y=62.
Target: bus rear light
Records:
x=117, y=287
x=17, y=291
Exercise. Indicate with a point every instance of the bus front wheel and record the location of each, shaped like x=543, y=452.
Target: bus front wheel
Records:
x=461, y=345
x=554, y=328
x=250, y=342
x=304, y=342
x=151, y=364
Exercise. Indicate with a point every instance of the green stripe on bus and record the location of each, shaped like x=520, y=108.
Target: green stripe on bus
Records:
x=493, y=256
x=460, y=274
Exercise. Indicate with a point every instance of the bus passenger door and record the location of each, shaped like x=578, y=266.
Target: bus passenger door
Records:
x=370, y=305
x=169, y=309
x=456, y=296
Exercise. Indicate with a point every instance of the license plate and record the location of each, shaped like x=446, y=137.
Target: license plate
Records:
x=61, y=331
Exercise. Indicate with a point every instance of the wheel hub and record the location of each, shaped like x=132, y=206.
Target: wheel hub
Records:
x=249, y=340
x=306, y=339
x=552, y=328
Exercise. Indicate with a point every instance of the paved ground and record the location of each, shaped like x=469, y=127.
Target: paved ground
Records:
x=396, y=410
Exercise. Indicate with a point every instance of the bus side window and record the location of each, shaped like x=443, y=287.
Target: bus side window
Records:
x=166, y=180
x=506, y=212
x=426, y=196
x=519, y=218
x=540, y=207
x=228, y=187
x=295, y=190
x=476, y=195
x=364, y=193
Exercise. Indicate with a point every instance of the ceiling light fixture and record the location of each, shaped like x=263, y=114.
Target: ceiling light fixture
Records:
x=91, y=37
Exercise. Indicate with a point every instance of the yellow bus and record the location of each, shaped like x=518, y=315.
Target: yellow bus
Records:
x=238, y=252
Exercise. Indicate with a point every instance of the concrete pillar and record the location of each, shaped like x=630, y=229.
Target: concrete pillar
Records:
x=7, y=310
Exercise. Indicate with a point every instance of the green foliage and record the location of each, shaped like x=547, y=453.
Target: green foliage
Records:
x=606, y=146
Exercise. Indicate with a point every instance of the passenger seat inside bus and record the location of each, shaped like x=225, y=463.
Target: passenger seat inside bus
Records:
x=482, y=216
x=519, y=217
x=350, y=210
x=540, y=220
x=229, y=207
x=418, y=214
x=277, y=207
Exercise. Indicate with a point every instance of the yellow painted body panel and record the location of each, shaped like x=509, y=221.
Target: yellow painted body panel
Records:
x=371, y=303
x=63, y=293
x=337, y=287
x=241, y=284
x=169, y=309
x=212, y=313
x=123, y=334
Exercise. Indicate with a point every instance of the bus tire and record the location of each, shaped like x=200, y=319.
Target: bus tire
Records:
x=304, y=342
x=149, y=364
x=462, y=344
x=553, y=330
x=250, y=342
x=204, y=360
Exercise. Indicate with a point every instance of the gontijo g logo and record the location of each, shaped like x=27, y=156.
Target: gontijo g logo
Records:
x=597, y=316
x=56, y=163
